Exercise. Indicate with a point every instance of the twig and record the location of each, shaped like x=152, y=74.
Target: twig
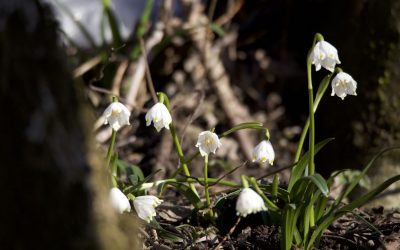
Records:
x=276, y=171
x=229, y=233
x=232, y=11
x=337, y=237
x=141, y=64
x=86, y=66
x=116, y=85
x=193, y=116
x=148, y=75
x=218, y=180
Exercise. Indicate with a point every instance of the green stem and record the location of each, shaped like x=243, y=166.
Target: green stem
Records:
x=320, y=93
x=207, y=194
x=269, y=203
x=148, y=185
x=275, y=186
x=181, y=156
x=111, y=147
x=163, y=98
x=245, y=183
x=311, y=168
x=312, y=217
x=312, y=109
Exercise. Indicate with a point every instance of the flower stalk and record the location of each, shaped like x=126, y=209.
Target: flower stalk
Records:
x=113, y=138
x=164, y=99
x=207, y=194
x=268, y=202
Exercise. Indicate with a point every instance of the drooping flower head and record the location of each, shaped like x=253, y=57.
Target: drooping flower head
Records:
x=249, y=202
x=119, y=201
x=264, y=152
x=117, y=115
x=343, y=84
x=208, y=142
x=159, y=115
x=145, y=206
x=325, y=55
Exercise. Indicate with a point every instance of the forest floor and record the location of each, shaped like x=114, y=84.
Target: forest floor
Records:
x=348, y=232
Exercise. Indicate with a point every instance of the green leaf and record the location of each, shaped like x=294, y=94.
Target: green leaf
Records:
x=134, y=179
x=117, y=40
x=246, y=125
x=370, y=225
x=188, y=193
x=369, y=196
x=301, y=190
x=217, y=29
x=321, y=90
x=220, y=201
x=298, y=170
x=356, y=180
x=288, y=218
x=330, y=216
x=130, y=169
x=320, y=206
x=165, y=234
x=328, y=219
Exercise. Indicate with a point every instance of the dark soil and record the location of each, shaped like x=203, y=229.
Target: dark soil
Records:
x=349, y=232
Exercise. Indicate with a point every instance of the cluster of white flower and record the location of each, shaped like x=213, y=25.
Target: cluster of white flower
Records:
x=144, y=205
x=325, y=55
x=117, y=115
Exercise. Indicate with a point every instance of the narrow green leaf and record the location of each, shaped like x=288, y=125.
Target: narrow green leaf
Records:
x=354, y=183
x=298, y=170
x=309, y=243
x=288, y=216
x=275, y=186
x=301, y=189
x=366, y=222
x=330, y=216
x=246, y=125
x=369, y=196
x=222, y=199
x=217, y=29
x=320, y=207
x=188, y=193
x=165, y=234
x=321, y=90
x=320, y=182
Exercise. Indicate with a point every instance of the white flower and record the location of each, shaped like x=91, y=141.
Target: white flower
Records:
x=264, y=152
x=145, y=206
x=325, y=55
x=343, y=84
x=119, y=201
x=208, y=142
x=117, y=115
x=159, y=115
x=249, y=202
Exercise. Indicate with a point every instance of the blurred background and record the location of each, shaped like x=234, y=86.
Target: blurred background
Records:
x=258, y=50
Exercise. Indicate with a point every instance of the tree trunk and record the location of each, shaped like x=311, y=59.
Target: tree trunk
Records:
x=52, y=185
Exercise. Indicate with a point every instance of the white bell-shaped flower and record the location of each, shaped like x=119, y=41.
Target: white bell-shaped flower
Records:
x=117, y=115
x=145, y=206
x=343, y=84
x=208, y=142
x=264, y=152
x=159, y=115
x=249, y=202
x=119, y=201
x=325, y=55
